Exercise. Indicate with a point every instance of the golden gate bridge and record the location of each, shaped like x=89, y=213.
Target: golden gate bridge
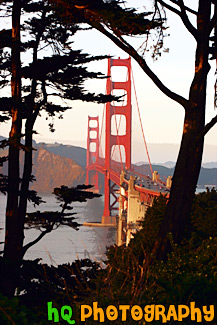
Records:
x=124, y=183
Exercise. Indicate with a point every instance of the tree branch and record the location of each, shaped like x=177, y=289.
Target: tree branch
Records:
x=182, y=14
x=35, y=241
x=166, y=5
x=186, y=20
x=213, y=20
x=132, y=52
x=207, y=127
x=186, y=8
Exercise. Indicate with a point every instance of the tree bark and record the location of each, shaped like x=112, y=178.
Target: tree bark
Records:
x=27, y=171
x=190, y=155
x=183, y=189
x=33, y=111
x=7, y=281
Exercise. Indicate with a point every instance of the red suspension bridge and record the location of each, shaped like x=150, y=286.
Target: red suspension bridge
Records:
x=118, y=173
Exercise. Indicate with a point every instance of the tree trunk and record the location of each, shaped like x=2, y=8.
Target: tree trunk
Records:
x=7, y=281
x=190, y=155
x=183, y=189
x=14, y=251
x=33, y=111
x=27, y=171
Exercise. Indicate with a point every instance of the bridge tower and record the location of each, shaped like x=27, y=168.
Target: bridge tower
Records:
x=92, y=150
x=111, y=140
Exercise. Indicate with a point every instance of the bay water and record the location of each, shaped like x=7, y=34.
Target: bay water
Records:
x=65, y=244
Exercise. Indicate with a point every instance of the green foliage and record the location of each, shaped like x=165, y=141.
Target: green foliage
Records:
x=80, y=193
x=64, y=70
x=150, y=226
x=115, y=20
x=190, y=272
x=67, y=284
x=49, y=220
x=112, y=13
x=204, y=214
x=188, y=275
x=12, y=312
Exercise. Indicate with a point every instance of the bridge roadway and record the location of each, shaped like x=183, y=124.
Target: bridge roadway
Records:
x=144, y=184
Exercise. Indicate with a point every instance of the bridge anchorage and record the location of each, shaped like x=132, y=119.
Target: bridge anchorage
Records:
x=124, y=183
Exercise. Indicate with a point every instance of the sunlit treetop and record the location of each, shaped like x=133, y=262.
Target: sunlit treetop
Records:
x=114, y=16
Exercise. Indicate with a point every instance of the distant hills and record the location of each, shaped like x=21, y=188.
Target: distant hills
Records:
x=78, y=154
x=57, y=164
x=171, y=164
x=208, y=176
x=161, y=152
x=210, y=165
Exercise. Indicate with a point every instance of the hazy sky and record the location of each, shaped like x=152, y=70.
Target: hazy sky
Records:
x=162, y=118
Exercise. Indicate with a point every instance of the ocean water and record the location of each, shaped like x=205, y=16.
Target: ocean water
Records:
x=65, y=244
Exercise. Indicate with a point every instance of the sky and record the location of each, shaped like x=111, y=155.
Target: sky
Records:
x=162, y=118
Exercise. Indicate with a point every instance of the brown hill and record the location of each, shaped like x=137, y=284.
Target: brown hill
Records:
x=53, y=170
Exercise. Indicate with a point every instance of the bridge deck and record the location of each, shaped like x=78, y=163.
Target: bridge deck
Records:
x=143, y=183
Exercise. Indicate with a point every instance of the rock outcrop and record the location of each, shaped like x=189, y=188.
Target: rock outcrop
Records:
x=53, y=170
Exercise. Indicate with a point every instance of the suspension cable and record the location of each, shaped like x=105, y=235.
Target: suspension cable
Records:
x=117, y=130
x=100, y=137
x=137, y=104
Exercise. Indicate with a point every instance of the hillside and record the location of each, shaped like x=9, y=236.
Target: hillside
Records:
x=208, y=176
x=78, y=154
x=53, y=170
x=58, y=164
